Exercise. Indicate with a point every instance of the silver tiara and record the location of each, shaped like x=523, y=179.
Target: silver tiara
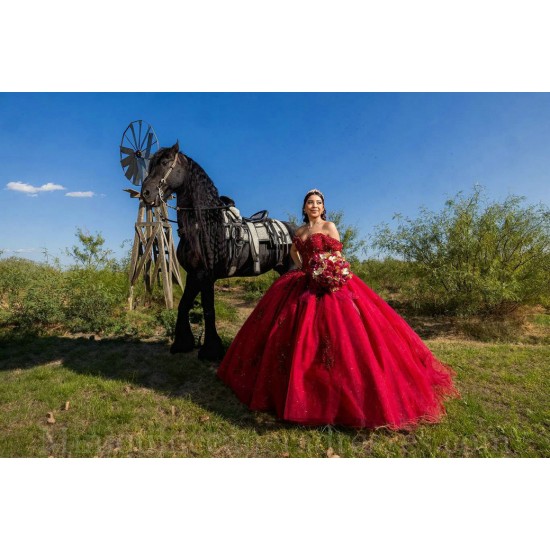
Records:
x=316, y=191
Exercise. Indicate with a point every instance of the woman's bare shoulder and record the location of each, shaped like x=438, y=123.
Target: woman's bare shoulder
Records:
x=301, y=230
x=331, y=230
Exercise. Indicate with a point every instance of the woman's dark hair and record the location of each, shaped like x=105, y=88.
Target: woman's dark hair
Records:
x=319, y=194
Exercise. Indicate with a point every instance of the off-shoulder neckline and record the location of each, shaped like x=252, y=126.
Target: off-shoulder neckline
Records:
x=303, y=241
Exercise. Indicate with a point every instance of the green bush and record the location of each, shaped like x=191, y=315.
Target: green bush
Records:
x=17, y=275
x=31, y=294
x=474, y=256
x=92, y=297
x=255, y=287
x=135, y=323
x=390, y=278
x=167, y=318
x=41, y=306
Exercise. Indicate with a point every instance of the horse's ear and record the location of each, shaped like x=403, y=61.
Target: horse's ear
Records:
x=176, y=147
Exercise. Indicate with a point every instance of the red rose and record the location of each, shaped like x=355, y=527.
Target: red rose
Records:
x=328, y=272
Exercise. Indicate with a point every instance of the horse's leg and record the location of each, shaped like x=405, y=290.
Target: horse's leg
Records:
x=184, y=340
x=212, y=349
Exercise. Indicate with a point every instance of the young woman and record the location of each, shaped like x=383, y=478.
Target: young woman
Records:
x=319, y=353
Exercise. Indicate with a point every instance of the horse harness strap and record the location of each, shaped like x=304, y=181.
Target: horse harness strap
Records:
x=259, y=228
x=254, y=230
x=163, y=181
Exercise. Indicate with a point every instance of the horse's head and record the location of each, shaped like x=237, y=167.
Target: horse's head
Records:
x=167, y=172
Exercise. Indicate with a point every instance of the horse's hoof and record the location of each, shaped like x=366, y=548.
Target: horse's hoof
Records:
x=211, y=354
x=177, y=347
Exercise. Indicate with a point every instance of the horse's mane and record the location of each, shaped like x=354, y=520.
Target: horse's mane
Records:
x=209, y=223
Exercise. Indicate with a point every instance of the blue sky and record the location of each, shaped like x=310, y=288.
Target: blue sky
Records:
x=372, y=154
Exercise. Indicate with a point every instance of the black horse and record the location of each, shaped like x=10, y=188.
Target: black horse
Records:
x=204, y=250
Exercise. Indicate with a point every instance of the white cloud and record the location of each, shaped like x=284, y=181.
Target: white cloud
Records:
x=31, y=189
x=81, y=194
x=51, y=187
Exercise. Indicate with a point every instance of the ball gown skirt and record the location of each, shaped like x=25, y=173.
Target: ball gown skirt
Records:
x=342, y=358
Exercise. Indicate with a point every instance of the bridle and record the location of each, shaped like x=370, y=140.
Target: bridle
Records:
x=162, y=181
x=164, y=178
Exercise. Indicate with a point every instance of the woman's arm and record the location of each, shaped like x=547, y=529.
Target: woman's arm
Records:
x=294, y=254
x=333, y=232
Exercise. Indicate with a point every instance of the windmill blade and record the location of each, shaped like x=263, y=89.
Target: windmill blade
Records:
x=154, y=145
x=131, y=172
x=139, y=134
x=149, y=143
x=142, y=142
x=142, y=171
x=127, y=161
x=126, y=150
x=128, y=140
x=135, y=143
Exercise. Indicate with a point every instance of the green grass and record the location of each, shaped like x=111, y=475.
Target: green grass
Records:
x=541, y=319
x=132, y=398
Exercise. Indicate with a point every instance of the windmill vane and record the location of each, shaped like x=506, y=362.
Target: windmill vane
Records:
x=138, y=144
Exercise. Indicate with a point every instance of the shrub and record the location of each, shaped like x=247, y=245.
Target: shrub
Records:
x=255, y=287
x=32, y=293
x=135, y=323
x=475, y=256
x=41, y=306
x=91, y=253
x=17, y=275
x=91, y=298
x=167, y=318
x=352, y=243
x=389, y=277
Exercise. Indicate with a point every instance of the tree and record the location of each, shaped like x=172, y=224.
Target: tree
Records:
x=352, y=244
x=91, y=254
x=475, y=255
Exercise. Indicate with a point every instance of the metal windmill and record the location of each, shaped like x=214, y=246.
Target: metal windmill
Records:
x=153, y=251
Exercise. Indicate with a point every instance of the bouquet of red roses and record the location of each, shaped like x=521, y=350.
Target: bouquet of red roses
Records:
x=328, y=272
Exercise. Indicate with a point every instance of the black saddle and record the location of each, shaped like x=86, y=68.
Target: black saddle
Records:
x=257, y=217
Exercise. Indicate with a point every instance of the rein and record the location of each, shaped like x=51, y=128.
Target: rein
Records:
x=180, y=208
x=163, y=180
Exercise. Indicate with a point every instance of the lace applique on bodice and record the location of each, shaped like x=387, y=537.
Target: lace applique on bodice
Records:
x=318, y=242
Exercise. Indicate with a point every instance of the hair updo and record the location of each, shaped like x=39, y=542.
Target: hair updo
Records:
x=308, y=194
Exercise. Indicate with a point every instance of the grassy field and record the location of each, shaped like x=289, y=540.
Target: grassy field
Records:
x=86, y=396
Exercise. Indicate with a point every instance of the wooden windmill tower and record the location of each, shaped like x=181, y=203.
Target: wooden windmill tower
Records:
x=153, y=252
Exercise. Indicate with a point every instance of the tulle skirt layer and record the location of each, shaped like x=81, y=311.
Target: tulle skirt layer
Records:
x=342, y=358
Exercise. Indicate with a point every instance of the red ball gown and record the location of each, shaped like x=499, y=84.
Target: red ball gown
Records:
x=343, y=358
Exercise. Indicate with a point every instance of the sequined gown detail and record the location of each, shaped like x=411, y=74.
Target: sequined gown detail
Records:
x=341, y=358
